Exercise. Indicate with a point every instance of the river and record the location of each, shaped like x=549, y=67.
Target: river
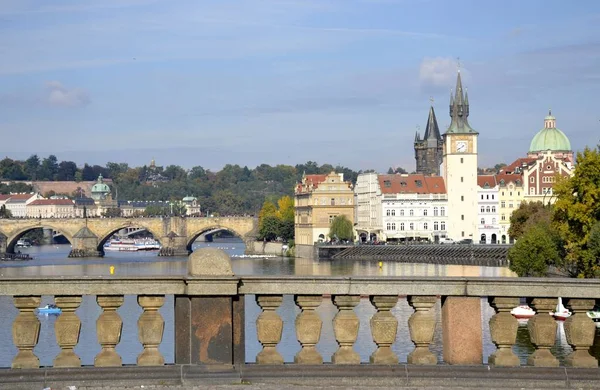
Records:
x=52, y=260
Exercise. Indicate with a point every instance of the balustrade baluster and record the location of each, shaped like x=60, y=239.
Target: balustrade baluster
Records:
x=345, y=327
x=542, y=331
x=66, y=329
x=503, y=329
x=26, y=331
x=150, y=330
x=108, y=330
x=580, y=331
x=384, y=327
x=308, y=329
x=421, y=325
x=269, y=327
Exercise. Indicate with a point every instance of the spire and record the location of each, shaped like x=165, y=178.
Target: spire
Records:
x=432, y=131
x=417, y=139
x=459, y=109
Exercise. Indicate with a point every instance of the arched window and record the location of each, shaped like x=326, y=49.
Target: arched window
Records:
x=435, y=211
x=393, y=226
x=443, y=226
x=487, y=209
x=401, y=225
x=435, y=226
x=482, y=209
x=402, y=212
x=411, y=212
x=442, y=211
x=493, y=221
x=412, y=226
x=388, y=213
x=424, y=225
x=425, y=212
x=389, y=226
x=493, y=209
x=393, y=212
x=482, y=221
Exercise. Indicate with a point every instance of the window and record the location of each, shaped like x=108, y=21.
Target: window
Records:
x=531, y=190
x=443, y=225
x=462, y=234
x=389, y=226
x=402, y=226
x=531, y=179
x=331, y=217
x=462, y=179
x=435, y=226
x=387, y=183
x=511, y=193
x=502, y=193
x=412, y=226
x=519, y=193
x=493, y=209
x=493, y=221
x=442, y=211
x=462, y=217
x=461, y=160
x=425, y=226
x=492, y=196
x=482, y=221
x=510, y=205
x=388, y=212
x=393, y=212
x=462, y=198
x=411, y=212
x=402, y=212
x=503, y=204
x=435, y=211
x=487, y=209
x=503, y=217
x=393, y=226
x=332, y=201
x=482, y=209
x=425, y=212
x=481, y=196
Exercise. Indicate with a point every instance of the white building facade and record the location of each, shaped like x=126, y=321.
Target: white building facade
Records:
x=489, y=229
x=368, y=207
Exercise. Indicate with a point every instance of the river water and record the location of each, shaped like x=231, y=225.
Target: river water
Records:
x=53, y=261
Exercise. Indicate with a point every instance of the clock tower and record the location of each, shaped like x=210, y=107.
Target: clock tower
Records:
x=459, y=168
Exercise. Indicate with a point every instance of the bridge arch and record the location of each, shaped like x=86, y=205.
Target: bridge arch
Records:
x=106, y=235
x=14, y=236
x=192, y=237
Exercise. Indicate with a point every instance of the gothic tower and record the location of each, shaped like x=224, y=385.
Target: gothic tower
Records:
x=460, y=168
x=428, y=151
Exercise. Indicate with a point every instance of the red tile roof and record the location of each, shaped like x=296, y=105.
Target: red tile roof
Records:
x=518, y=163
x=4, y=197
x=509, y=177
x=411, y=184
x=309, y=180
x=19, y=198
x=50, y=202
x=490, y=180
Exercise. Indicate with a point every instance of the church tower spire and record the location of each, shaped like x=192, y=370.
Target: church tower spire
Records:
x=459, y=109
x=429, y=149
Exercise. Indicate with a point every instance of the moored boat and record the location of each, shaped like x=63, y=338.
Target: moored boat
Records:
x=522, y=312
x=560, y=313
x=49, y=309
x=131, y=245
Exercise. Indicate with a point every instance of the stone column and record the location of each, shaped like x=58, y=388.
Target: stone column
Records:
x=269, y=327
x=461, y=330
x=308, y=329
x=25, y=332
x=345, y=327
x=580, y=331
x=421, y=325
x=542, y=331
x=108, y=330
x=85, y=244
x=384, y=327
x=503, y=328
x=66, y=329
x=150, y=330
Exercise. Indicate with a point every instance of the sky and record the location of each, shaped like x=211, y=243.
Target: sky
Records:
x=197, y=82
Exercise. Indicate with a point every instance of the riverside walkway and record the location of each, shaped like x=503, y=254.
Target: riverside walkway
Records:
x=210, y=331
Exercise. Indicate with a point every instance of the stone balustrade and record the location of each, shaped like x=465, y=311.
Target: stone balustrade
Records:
x=210, y=316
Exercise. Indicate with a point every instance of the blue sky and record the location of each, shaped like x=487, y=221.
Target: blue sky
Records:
x=286, y=81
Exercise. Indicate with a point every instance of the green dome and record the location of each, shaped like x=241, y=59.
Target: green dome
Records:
x=550, y=138
x=100, y=186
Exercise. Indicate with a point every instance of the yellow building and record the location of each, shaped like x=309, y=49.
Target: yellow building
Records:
x=510, y=193
x=318, y=200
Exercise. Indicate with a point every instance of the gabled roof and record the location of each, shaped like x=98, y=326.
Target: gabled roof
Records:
x=52, y=202
x=19, y=198
x=311, y=181
x=505, y=178
x=411, y=184
x=518, y=163
x=486, y=181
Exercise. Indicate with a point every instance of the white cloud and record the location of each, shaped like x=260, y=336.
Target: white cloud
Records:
x=438, y=72
x=61, y=96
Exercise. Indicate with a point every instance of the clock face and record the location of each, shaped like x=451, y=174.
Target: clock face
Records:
x=461, y=146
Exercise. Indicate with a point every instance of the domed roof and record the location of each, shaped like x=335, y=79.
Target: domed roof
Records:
x=550, y=138
x=100, y=186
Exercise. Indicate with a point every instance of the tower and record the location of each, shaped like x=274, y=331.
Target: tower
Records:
x=428, y=151
x=460, y=167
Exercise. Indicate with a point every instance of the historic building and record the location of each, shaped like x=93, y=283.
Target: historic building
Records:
x=51, y=208
x=459, y=168
x=192, y=206
x=318, y=199
x=17, y=203
x=488, y=201
x=368, y=207
x=429, y=149
x=414, y=207
x=511, y=193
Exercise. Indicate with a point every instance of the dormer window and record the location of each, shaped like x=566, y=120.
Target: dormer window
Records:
x=402, y=184
x=387, y=183
x=419, y=183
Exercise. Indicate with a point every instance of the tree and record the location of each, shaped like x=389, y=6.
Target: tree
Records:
x=270, y=228
x=267, y=212
x=285, y=211
x=392, y=171
x=49, y=168
x=156, y=211
x=112, y=212
x=4, y=212
x=32, y=167
x=341, y=228
x=66, y=171
x=534, y=252
x=576, y=211
x=527, y=215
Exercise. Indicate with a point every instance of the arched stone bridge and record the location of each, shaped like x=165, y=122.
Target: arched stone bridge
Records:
x=87, y=236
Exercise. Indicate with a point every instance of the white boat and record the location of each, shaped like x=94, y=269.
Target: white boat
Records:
x=130, y=245
x=23, y=243
x=560, y=313
x=522, y=312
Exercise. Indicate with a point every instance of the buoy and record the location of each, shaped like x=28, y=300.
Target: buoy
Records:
x=112, y=269
x=380, y=264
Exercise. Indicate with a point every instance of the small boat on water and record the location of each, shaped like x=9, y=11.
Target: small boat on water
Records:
x=560, y=313
x=23, y=243
x=132, y=245
x=522, y=312
x=49, y=309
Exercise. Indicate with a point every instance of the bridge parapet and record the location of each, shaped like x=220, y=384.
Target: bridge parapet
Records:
x=210, y=319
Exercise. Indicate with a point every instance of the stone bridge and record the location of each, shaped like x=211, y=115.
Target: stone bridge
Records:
x=88, y=235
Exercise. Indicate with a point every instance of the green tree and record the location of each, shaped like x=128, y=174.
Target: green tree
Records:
x=269, y=228
x=534, y=252
x=341, y=228
x=527, y=215
x=66, y=171
x=112, y=212
x=156, y=211
x=267, y=213
x=49, y=168
x=32, y=167
x=576, y=211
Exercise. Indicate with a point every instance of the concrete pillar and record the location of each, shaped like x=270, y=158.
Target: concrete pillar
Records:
x=25, y=332
x=542, y=331
x=345, y=328
x=150, y=330
x=66, y=329
x=173, y=245
x=108, y=330
x=503, y=329
x=269, y=327
x=580, y=331
x=421, y=325
x=384, y=327
x=85, y=244
x=209, y=329
x=308, y=329
x=461, y=330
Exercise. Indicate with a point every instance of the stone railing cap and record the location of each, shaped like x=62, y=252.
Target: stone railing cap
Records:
x=209, y=262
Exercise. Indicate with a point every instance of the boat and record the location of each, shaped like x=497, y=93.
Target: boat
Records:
x=594, y=314
x=522, y=312
x=23, y=243
x=132, y=245
x=49, y=309
x=560, y=313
